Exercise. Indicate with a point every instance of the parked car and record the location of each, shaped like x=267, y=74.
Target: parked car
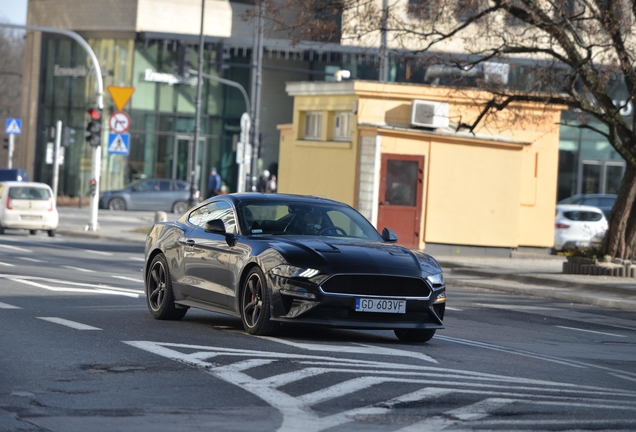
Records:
x=603, y=201
x=149, y=194
x=275, y=258
x=578, y=225
x=13, y=174
x=27, y=205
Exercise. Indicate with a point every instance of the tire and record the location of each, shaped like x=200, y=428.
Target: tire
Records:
x=408, y=335
x=159, y=295
x=33, y=232
x=180, y=207
x=117, y=204
x=1, y=230
x=51, y=233
x=255, y=305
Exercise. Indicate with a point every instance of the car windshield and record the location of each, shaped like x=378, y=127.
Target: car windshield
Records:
x=29, y=193
x=305, y=219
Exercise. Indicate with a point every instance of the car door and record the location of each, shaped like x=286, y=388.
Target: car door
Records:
x=207, y=255
x=143, y=194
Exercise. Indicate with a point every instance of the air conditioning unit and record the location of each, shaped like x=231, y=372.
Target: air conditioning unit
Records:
x=429, y=114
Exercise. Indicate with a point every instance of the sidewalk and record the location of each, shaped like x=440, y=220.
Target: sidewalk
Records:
x=533, y=277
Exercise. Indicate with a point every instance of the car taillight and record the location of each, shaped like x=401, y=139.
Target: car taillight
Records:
x=9, y=205
x=561, y=226
x=50, y=204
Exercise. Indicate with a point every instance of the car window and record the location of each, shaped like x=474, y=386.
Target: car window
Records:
x=164, y=185
x=215, y=210
x=607, y=202
x=583, y=216
x=303, y=218
x=147, y=186
x=183, y=185
x=30, y=193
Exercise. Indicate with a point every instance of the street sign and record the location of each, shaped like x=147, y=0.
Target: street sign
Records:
x=49, y=154
x=13, y=126
x=118, y=144
x=119, y=122
x=120, y=95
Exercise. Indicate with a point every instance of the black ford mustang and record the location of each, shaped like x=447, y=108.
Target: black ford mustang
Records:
x=275, y=258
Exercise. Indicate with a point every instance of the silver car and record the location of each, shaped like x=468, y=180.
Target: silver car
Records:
x=150, y=194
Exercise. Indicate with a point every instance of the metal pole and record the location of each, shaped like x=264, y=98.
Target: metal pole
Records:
x=99, y=93
x=11, y=146
x=56, y=158
x=194, y=145
x=384, y=58
x=256, y=96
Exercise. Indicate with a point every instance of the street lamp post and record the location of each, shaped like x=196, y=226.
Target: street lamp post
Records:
x=194, y=145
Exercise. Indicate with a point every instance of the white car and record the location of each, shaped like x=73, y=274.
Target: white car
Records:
x=578, y=225
x=27, y=205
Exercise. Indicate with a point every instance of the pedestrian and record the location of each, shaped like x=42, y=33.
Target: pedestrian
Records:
x=214, y=183
x=261, y=184
x=271, y=185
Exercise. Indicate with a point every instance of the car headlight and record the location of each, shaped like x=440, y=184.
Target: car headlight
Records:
x=436, y=279
x=292, y=271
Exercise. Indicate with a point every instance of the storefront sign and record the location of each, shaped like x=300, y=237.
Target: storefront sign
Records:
x=170, y=79
x=77, y=71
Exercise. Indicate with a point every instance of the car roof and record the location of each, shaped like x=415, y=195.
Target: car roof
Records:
x=574, y=207
x=25, y=184
x=265, y=197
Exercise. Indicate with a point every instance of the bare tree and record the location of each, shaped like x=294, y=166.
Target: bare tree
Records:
x=11, y=55
x=574, y=50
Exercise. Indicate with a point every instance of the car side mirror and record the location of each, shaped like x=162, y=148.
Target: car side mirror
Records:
x=215, y=226
x=389, y=236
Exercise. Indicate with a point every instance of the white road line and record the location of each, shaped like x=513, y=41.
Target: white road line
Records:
x=290, y=377
x=591, y=331
x=623, y=377
x=480, y=409
x=32, y=260
x=136, y=259
x=15, y=248
x=6, y=264
x=8, y=306
x=79, y=269
x=67, y=323
x=95, y=290
x=128, y=278
x=341, y=389
x=98, y=252
x=453, y=309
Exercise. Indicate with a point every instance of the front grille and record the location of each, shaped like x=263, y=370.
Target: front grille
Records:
x=376, y=285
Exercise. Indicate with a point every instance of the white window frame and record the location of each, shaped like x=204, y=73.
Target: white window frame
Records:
x=342, y=126
x=313, y=125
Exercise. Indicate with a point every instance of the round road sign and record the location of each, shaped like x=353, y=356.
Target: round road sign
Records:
x=119, y=122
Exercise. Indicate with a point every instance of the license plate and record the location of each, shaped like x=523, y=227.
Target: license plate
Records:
x=30, y=217
x=380, y=305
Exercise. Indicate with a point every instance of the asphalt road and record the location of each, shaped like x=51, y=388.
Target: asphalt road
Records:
x=81, y=352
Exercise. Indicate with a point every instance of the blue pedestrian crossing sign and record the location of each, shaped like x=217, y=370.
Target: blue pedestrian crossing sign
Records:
x=118, y=144
x=14, y=126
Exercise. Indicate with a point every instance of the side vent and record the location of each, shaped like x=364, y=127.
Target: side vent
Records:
x=429, y=114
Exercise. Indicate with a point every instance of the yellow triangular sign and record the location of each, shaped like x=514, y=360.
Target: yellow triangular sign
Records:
x=120, y=95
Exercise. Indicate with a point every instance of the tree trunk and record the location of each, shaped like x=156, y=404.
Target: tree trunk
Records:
x=621, y=234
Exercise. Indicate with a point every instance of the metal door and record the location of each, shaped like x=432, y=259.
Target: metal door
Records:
x=400, y=202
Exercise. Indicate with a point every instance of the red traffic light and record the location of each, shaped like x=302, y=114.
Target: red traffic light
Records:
x=92, y=182
x=94, y=113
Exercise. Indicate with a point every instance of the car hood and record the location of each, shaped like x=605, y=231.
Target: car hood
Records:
x=333, y=256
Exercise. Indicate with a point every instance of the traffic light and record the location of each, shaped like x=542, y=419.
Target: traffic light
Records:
x=92, y=184
x=94, y=127
x=68, y=136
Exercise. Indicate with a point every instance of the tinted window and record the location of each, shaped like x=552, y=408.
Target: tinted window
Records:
x=164, y=185
x=183, y=185
x=31, y=193
x=147, y=186
x=583, y=216
x=607, y=202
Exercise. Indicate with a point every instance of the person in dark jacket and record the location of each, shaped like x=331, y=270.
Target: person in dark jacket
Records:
x=214, y=183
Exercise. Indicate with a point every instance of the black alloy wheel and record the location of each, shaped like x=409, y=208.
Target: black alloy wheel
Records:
x=159, y=296
x=255, y=305
x=414, y=335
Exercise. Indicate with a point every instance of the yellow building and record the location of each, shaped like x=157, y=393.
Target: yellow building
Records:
x=393, y=152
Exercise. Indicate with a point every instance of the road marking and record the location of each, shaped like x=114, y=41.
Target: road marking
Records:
x=98, y=252
x=591, y=331
x=298, y=412
x=67, y=323
x=137, y=259
x=86, y=288
x=453, y=309
x=8, y=306
x=623, y=377
x=15, y=248
x=6, y=264
x=128, y=278
x=32, y=260
x=362, y=349
x=79, y=269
